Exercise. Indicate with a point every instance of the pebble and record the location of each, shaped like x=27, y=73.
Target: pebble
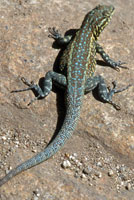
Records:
x=36, y=193
x=71, y=158
x=75, y=154
x=79, y=164
x=36, y=198
x=76, y=175
x=34, y=150
x=98, y=174
x=124, y=177
x=83, y=176
x=99, y=164
x=128, y=186
x=8, y=169
x=3, y=137
x=110, y=173
x=122, y=169
x=87, y=170
x=66, y=164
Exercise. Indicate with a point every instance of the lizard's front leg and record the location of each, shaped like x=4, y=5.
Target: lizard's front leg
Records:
x=46, y=88
x=108, y=60
x=53, y=33
x=61, y=40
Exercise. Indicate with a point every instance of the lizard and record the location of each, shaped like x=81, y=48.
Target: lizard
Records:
x=77, y=66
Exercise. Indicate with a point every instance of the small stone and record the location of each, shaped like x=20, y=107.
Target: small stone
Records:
x=77, y=161
x=8, y=169
x=110, y=173
x=117, y=167
x=99, y=164
x=72, y=158
x=34, y=150
x=124, y=177
x=122, y=183
x=36, y=198
x=76, y=175
x=79, y=164
x=75, y=154
x=90, y=184
x=66, y=164
x=98, y=174
x=118, y=187
x=128, y=186
x=16, y=142
x=73, y=168
x=84, y=159
x=87, y=170
x=122, y=169
x=3, y=137
x=36, y=193
x=83, y=176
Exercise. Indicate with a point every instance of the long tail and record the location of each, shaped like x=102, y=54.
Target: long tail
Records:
x=67, y=128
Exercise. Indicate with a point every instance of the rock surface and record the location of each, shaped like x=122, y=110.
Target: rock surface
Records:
x=101, y=151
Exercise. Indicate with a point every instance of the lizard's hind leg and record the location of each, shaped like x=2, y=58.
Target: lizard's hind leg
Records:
x=46, y=88
x=105, y=93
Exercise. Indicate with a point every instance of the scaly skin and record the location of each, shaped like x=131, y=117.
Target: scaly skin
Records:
x=78, y=60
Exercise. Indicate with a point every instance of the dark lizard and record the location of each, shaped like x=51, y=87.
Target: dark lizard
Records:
x=77, y=66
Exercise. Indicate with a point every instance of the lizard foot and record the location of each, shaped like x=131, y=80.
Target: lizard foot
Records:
x=53, y=33
x=31, y=86
x=113, y=91
x=118, y=65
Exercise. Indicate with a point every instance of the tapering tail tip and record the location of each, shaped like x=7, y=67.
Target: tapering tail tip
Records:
x=10, y=175
x=5, y=179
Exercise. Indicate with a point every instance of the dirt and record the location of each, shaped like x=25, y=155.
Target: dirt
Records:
x=97, y=162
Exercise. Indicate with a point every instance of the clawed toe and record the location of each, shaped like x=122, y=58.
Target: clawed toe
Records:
x=53, y=33
x=119, y=65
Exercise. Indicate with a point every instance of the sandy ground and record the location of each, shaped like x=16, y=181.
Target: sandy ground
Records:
x=97, y=163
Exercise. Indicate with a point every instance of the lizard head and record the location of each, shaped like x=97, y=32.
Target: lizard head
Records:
x=98, y=18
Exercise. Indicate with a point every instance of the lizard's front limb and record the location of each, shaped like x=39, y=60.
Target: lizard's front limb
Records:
x=108, y=60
